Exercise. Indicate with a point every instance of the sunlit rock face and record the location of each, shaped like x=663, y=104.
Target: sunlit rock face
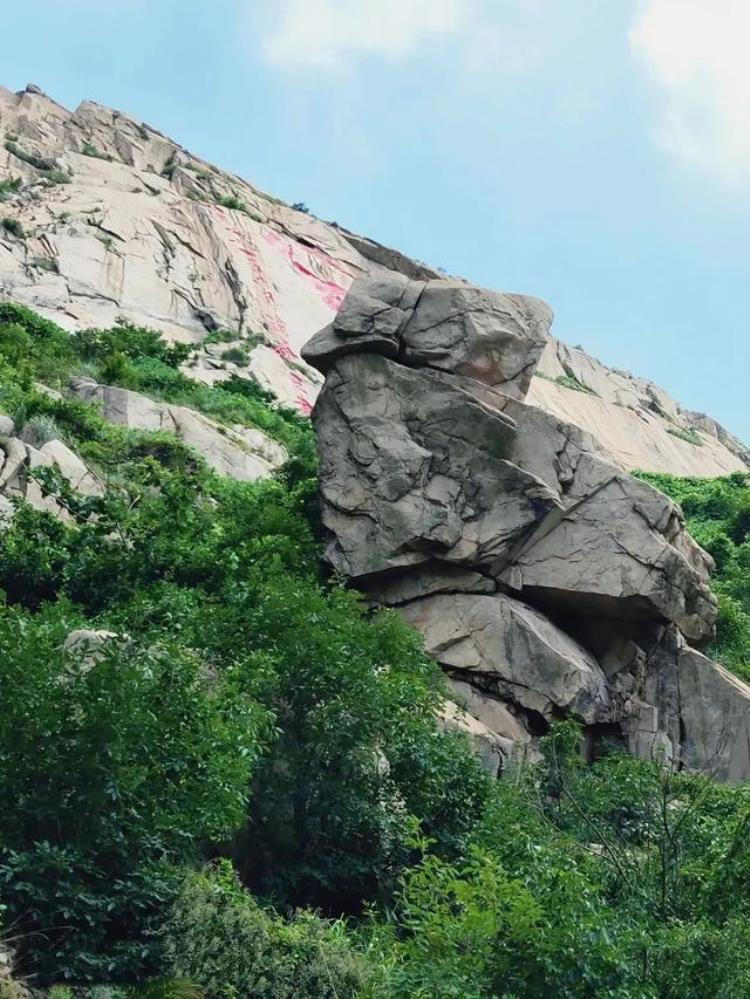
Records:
x=121, y=222
x=546, y=580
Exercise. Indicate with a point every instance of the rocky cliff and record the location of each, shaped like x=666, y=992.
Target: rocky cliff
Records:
x=104, y=218
x=546, y=580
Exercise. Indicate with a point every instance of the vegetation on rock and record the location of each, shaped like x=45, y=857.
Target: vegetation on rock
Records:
x=245, y=790
x=718, y=516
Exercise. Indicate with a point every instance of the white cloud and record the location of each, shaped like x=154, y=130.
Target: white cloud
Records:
x=323, y=32
x=696, y=52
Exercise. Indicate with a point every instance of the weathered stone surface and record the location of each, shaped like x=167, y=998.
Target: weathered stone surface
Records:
x=694, y=710
x=519, y=653
x=446, y=325
x=633, y=419
x=492, y=712
x=426, y=580
x=413, y=468
x=504, y=535
x=89, y=646
x=241, y=452
x=139, y=233
x=17, y=463
x=491, y=749
x=619, y=550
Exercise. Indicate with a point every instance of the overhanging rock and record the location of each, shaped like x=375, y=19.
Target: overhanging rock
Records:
x=545, y=579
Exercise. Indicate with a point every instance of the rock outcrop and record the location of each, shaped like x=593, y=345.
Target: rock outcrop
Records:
x=243, y=453
x=546, y=580
x=119, y=222
x=18, y=462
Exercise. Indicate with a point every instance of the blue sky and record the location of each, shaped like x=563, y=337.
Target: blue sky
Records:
x=593, y=152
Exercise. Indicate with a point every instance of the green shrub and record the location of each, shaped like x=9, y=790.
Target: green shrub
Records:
x=233, y=202
x=718, y=517
x=571, y=382
x=235, y=354
x=111, y=772
x=14, y=227
x=39, y=430
x=9, y=186
x=38, y=162
x=219, y=937
x=56, y=176
x=91, y=150
x=687, y=434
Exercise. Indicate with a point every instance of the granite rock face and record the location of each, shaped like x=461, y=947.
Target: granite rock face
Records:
x=546, y=580
x=243, y=453
x=138, y=228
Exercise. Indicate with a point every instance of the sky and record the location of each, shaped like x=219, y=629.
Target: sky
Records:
x=595, y=153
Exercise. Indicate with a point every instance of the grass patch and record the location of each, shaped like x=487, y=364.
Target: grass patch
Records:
x=237, y=355
x=9, y=187
x=13, y=227
x=94, y=153
x=567, y=381
x=688, y=435
x=38, y=162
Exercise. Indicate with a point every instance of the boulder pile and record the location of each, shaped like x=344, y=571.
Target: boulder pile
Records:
x=547, y=581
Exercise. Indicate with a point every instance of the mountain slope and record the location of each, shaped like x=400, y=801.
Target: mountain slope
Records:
x=106, y=218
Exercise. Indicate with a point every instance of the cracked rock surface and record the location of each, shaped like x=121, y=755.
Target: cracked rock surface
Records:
x=126, y=223
x=546, y=580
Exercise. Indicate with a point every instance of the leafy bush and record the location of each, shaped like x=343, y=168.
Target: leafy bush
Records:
x=56, y=176
x=718, y=517
x=687, y=434
x=235, y=354
x=39, y=430
x=9, y=186
x=219, y=937
x=91, y=150
x=38, y=162
x=233, y=202
x=112, y=767
x=14, y=227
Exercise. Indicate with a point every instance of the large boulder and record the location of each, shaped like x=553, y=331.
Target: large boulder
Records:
x=445, y=325
x=618, y=550
x=513, y=651
x=413, y=467
x=694, y=711
x=543, y=577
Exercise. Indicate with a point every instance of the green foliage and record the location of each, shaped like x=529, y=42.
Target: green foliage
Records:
x=220, y=336
x=356, y=701
x=56, y=176
x=219, y=937
x=14, y=227
x=465, y=930
x=571, y=382
x=139, y=359
x=568, y=381
x=38, y=162
x=132, y=342
x=718, y=516
x=233, y=202
x=113, y=764
x=687, y=434
x=91, y=150
x=9, y=186
x=238, y=355
x=247, y=705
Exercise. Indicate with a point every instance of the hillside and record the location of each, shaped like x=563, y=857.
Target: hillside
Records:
x=341, y=655
x=114, y=220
